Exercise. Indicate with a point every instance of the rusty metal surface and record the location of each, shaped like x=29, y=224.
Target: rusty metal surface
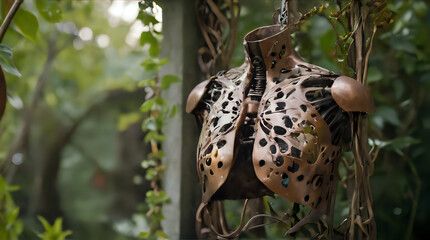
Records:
x=352, y=96
x=274, y=125
x=293, y=151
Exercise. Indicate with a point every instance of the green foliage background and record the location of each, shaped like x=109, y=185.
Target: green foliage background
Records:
x=101, y=86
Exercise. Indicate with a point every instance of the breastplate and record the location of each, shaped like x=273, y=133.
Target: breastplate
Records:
x=274, y=125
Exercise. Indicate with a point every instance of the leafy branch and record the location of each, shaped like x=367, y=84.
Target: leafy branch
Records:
x=158, y=113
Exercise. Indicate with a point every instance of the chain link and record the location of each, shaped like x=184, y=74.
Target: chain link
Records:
x=283, y=15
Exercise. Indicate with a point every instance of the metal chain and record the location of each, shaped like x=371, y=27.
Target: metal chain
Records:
x=283, y=15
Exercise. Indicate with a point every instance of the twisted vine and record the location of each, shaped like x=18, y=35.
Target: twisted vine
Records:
x=359, y=20
x=217, y=20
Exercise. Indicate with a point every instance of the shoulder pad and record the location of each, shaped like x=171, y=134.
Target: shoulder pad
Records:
x=195, y=96
x=352, y=96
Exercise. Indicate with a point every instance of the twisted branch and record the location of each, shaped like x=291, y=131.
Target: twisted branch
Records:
x=8, y=18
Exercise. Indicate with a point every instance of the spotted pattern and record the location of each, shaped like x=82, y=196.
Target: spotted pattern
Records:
x=301, y=127
x=222, y=106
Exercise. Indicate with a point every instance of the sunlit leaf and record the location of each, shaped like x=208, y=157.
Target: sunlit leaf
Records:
x=27, y=24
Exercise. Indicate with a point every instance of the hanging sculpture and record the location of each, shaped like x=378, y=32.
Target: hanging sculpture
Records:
x=275, y=125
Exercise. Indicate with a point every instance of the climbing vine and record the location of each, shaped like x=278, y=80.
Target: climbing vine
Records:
x=158, y=113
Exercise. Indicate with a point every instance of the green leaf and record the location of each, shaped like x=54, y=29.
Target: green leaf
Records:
x=57, y=225
x=147, y=83
x=168, y=80
x=64, y=234
x=149, y=136
x=150, y=174
x=161, y=101
x=144, y=235
x=11, y=217
x=173, y=111
x=163, y=61
x=49, y=10
x=160, y=154
x=155, y=198
x=45, y=223
x=6, y=60
x=154, y=44
x=149, y=124
x=153, y=135
x=159, y=137
x=147, y=18
x=150, y=65
x=147, y=105
x=27, y=24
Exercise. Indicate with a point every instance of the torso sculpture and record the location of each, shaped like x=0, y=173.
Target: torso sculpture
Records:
x=274, y=125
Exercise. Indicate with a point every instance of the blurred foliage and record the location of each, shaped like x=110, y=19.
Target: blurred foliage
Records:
x=10, y=224
x=53, y=232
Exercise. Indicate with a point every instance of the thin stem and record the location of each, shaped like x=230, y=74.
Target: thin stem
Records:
x=366, y=59
x=9, y=17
